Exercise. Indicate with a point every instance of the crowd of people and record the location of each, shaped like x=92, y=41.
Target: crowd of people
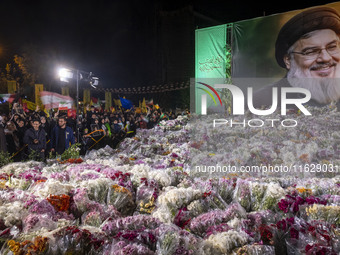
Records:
x=40, y=135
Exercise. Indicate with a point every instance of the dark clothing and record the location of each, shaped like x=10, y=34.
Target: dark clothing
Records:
x=31, y=135
x=3, y=145
x=21, y=134
x=143, y=124
x=12, y=141
x=72, y=123
x=57, y=138
x=46, y=127
x=152, y=123
x=116, y=128
x=60, y=148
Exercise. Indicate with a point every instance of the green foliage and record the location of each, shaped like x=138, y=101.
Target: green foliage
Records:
x=34, y=155
x=5, y=158
x=73, y=152
x=228, y=61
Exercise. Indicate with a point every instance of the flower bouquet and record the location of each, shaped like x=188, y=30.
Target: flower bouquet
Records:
x=273, y=194
x=224, y=242
x=113, y=226
x=75, y=240
x=122, y=199
x=255, y=249
x=173, y=240
x=257, y=191
x=97, y=189
x=172, y=199
x=123, y=247
x=200, y=224
x=146, y=196
x=242, y=194
x=38, y=246
x=327, y=213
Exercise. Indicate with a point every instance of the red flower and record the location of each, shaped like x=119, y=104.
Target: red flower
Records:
x=294, y=233
x=282, y=225
x=206, y=194
x=311, y=229
x=265, y=232
x=283, y=205
x=290, y=220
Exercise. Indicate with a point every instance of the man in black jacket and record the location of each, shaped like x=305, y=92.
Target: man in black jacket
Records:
x=35, y=138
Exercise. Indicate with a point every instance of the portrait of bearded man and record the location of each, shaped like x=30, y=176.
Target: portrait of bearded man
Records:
x=308, y=47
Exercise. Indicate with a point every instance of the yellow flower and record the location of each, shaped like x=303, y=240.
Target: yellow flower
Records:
x=13, y=246
x=312, y=210
x=147, y=207
x=121, y=189
x=304, y=190
x=3, y=185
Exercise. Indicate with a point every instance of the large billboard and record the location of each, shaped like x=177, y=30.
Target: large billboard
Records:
x=281, y=50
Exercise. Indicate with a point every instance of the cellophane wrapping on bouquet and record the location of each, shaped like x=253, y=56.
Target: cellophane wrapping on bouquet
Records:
x=143, y=197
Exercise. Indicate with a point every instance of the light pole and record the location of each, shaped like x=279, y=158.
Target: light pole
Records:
x=65, y=74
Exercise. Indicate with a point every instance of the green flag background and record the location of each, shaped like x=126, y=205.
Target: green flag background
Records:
x=209, y=61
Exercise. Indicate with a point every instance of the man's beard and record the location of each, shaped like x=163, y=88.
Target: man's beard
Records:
x=323, y=90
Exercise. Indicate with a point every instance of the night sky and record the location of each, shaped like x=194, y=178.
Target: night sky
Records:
x=122, y=42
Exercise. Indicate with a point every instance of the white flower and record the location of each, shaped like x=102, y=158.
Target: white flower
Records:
x=161, y=177
x=12, y=213
x=163, y=213
x=51, y=187
x=178, y=197
x=224, y=242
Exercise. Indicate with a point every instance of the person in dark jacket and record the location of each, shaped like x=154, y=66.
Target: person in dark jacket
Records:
x=61, y=137
x=35, y=138
x=3, y=145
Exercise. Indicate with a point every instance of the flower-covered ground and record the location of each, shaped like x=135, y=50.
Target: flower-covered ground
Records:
x=146, y=198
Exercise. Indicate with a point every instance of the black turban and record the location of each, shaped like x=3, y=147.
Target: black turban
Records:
x=306, y=21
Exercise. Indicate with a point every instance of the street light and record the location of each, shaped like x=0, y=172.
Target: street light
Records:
x=65, y=74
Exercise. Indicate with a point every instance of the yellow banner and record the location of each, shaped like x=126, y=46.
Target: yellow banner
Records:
x=144, y=110
x=30, y=105
x=108, y=100
x=87, y=96
x=38, y=89
x=12, y=87
x=117, y=102
x=65, y=91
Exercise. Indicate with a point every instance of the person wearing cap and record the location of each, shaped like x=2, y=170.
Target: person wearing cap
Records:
x=307, y=46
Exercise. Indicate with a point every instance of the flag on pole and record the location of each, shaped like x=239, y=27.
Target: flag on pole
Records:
x=127, y=104
x=144, y=110
x=149, y=102
x=117, y=102
x=8, y=97
x=54, y=100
